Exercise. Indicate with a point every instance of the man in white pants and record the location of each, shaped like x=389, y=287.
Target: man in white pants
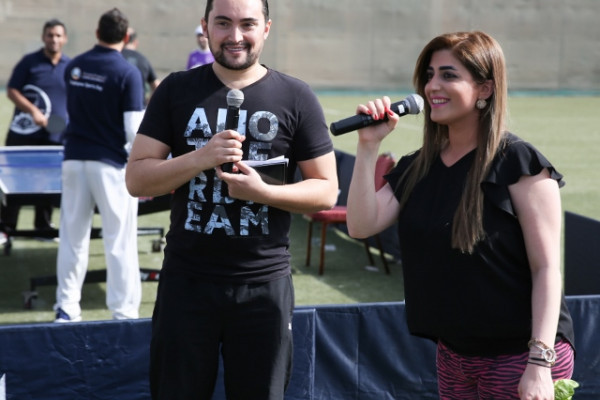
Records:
x=105, y=104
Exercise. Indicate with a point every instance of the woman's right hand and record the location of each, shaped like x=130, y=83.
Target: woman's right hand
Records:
x=379, y=110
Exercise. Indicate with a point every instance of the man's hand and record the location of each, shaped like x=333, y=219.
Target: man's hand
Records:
x=39, y=118
x=224, y=147
x=244, y=183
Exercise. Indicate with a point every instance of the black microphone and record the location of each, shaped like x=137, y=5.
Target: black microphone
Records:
x=413, y=104
x=235, y=98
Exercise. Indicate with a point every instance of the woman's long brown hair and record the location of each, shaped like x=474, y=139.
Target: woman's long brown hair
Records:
x=484, y=59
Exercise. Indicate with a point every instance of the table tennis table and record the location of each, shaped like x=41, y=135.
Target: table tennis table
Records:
x=31, y=175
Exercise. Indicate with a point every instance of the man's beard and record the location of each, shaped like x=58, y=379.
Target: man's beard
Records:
x=222, y=59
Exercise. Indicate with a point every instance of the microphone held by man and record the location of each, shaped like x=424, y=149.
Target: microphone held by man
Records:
x=235, y=98
x=412, y=104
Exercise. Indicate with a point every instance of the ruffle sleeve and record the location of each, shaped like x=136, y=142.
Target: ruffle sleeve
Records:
x=516, y=158
x=394, y=176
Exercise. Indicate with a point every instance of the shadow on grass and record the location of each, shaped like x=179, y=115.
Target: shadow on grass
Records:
x=348, y=277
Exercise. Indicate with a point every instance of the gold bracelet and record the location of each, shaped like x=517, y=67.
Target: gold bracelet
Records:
x=537, y=343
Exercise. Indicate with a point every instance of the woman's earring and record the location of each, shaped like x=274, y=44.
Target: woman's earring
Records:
x=481, y=103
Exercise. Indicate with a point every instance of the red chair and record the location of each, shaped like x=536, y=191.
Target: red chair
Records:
x=337, y=215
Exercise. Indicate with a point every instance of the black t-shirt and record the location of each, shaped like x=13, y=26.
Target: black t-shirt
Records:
x=140, y=61
x=476, y=303
x=211, y=235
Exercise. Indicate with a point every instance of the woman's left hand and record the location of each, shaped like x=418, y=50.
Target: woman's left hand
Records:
x=536, y=383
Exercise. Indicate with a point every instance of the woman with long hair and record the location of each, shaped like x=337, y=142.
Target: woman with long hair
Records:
x=479, y=223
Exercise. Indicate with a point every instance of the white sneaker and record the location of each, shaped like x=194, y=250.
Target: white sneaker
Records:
x=62, y=317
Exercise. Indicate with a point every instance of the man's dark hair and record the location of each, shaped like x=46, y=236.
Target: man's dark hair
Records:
x=51, y=24
x=209, y=6
x=112, y=26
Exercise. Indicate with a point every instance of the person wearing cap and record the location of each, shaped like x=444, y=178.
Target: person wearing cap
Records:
x=202, y=54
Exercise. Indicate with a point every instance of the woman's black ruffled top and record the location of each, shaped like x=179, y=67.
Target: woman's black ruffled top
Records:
x=476, y=303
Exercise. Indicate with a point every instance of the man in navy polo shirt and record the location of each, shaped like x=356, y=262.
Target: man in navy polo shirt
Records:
x=37, y=89
x=105, y=104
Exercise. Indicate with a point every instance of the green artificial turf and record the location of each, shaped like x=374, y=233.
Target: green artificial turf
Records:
x=565, y=129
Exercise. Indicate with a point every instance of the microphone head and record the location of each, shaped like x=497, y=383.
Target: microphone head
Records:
x=235, y=98
x=414, y=104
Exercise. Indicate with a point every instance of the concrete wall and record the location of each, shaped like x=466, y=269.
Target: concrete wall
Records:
x=342, y=44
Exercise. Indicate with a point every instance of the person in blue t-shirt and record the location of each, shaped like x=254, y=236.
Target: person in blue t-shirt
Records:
x=37, y=89
x=105, y=102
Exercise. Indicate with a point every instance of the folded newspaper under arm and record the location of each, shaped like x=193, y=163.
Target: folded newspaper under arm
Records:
x=272, y=171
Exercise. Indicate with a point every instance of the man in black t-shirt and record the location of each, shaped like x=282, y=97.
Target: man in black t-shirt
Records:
x=137, y=59
x=226, y=284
